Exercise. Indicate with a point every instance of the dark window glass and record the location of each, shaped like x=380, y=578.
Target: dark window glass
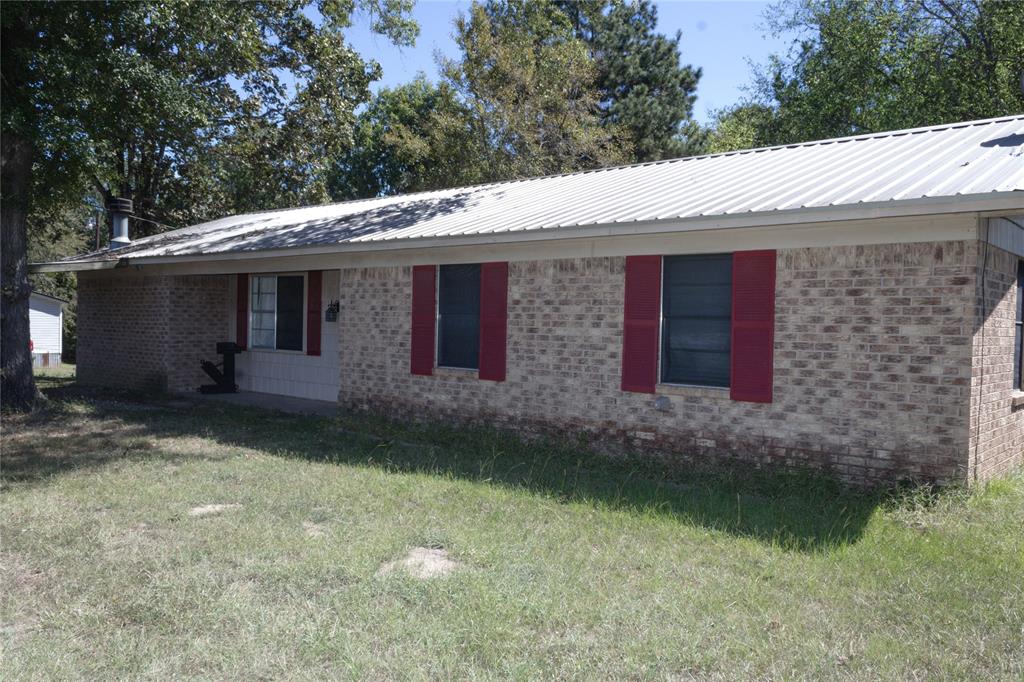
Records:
x=458, y=308
x=1018, y=365
x=289, y=312
x=696, y=319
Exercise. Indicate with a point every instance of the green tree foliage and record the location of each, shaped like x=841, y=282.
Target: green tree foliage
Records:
x=643, y=86
x=417, y=136
x=524, y=98
x=872, y=65
x=738, y=127
x=191, y=109
x=531, y=88
x=59, y=229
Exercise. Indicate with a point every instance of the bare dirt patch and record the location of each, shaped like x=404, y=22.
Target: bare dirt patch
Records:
x=313, y=530
x=210, y=509
x=422, y=563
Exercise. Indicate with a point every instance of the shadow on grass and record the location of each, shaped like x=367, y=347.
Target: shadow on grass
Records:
x=77, y=428
x=794, y=510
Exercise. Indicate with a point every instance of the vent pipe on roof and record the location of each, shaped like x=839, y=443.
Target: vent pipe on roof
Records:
x=120, y=211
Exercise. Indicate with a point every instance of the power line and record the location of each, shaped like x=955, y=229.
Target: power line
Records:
x=133, y=217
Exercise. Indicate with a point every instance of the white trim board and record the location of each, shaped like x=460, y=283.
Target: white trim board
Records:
x=955, y=227
x=822, y=217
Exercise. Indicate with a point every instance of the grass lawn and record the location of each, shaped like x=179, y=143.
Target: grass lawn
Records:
x=568, y=565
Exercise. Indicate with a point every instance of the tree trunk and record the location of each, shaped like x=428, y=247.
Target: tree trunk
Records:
x=17, y=385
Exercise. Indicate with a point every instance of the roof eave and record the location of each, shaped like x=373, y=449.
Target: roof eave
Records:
x=76, y=265
x=49, y=296
x=969, y=203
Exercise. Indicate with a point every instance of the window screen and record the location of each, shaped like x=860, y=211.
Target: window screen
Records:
x=458, y=309
x=696, y=319
x=277, y=315
x=1018, y=365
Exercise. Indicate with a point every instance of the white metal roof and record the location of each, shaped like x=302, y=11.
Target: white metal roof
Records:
x=935, y=167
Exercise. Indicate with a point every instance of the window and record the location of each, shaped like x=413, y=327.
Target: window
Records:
x=696, y=319
x=458, y=316
x=277, y=312
x=1018, y=364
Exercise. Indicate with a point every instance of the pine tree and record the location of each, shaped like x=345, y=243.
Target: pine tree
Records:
x=644, y=87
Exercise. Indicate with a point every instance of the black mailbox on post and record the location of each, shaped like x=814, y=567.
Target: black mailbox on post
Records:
x=223, y=374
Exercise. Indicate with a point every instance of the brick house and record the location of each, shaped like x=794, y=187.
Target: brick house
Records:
x=852, y=305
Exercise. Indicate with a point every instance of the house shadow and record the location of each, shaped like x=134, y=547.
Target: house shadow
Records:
x=794, y=511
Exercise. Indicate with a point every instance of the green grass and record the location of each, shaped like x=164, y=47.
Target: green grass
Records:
x=573, y=566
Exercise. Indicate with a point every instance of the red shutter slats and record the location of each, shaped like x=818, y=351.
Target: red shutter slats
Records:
x=642, y=311
x=753, y=326
x=493, y=320
x=314, y=293
x=424, y=319
x=242, y=310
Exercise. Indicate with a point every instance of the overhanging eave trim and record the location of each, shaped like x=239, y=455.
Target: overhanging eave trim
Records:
x=75, y=266
x=968, y=203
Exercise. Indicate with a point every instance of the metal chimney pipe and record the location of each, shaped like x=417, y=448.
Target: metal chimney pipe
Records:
x=120, y=210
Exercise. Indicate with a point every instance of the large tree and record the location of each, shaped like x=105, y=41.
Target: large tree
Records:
x=871, y=65
x=417, y=136
x=521, y=99
x=531, y=87
x=643, y=84
x=164, y=103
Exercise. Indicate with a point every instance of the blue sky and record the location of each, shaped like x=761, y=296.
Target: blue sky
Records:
x=720, y=37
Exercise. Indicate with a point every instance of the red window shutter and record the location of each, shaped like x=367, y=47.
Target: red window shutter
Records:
x=314, y=292
x=424, y=319
x=493, y=320
x=640, y=324
x=242, y=310
x=753, y=326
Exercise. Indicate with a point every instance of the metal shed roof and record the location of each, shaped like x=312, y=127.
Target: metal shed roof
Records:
x=932, y=169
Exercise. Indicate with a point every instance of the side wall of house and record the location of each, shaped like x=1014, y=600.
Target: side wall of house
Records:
x=137, y=331
x=872, y=363
x=997, y=409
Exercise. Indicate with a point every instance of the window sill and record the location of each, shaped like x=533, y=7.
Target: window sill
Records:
x=464, y=372
x=689, y=390
x=1017, y=399
x=275, y=351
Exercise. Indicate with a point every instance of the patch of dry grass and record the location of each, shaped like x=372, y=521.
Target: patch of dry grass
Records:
x=570, y=566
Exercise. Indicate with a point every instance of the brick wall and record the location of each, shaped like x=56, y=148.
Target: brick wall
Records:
x=197, y=321
x=148, y=332
x=873, y=363
x=888, y=364
x=997, y=424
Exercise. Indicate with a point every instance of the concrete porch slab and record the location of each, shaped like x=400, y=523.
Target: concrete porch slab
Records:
x=270, y=401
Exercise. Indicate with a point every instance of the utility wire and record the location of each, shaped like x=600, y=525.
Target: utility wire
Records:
x=134, y=217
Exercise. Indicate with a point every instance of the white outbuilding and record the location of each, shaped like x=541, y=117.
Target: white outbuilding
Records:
x=46, y=324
